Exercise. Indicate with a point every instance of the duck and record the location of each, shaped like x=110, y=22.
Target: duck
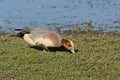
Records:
x=45, y=38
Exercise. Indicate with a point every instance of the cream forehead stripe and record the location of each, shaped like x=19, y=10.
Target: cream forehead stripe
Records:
x=71, y=43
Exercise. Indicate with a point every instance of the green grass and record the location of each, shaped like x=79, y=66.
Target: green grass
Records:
x=98, y=58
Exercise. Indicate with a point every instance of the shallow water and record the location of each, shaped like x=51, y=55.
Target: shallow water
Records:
x=105, y=14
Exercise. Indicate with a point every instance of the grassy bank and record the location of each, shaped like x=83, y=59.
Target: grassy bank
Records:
x=98, y=58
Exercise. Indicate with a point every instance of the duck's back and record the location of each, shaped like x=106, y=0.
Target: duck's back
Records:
x=40, y=32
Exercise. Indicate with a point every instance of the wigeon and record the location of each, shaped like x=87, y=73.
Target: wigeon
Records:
x=43, y=37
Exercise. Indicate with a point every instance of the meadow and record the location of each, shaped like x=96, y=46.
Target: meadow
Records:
x=98, y=58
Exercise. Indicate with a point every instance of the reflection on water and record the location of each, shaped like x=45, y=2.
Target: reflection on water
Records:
x=60, y=13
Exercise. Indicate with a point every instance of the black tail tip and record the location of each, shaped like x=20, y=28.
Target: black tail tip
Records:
x=17, y=29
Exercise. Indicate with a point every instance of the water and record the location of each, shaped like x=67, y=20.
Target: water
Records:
x=105, y=14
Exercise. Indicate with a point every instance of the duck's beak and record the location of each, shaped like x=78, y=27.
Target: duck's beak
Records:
x=73, y=51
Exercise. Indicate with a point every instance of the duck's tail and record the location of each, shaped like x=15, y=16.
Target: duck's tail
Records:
x=22, y=32
x=18, y=29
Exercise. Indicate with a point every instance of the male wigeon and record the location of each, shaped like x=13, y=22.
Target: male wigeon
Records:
x=44, y=38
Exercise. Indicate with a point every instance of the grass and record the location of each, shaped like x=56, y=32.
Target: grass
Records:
x=98, y=58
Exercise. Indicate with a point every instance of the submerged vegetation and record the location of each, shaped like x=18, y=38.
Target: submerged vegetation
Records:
x=98, y=58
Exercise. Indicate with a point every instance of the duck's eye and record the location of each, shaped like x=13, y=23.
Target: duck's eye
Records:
x=69, y=45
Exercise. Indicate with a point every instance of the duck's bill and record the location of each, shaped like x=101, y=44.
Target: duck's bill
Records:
x=73, y=51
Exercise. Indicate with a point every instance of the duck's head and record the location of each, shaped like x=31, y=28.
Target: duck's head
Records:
x=68, y=44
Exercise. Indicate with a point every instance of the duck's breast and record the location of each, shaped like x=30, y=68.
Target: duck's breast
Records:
x=55, y=38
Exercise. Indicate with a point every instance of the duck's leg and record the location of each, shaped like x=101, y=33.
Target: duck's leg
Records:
x=45, y=49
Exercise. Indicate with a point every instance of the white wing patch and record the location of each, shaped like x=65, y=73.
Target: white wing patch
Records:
x=28, y=39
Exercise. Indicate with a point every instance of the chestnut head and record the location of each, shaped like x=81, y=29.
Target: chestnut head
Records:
x=68, y=44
